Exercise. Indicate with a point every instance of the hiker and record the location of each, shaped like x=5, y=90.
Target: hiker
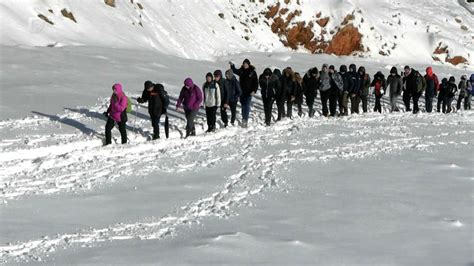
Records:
x=116, y=113
x=299, y=92
x=337, y=86
x=343, y=97
x=269, y=84
x=310, y=88
x=233, y=89
x=395, y=86
x=152, y=94
x=189, y=101
x=280, y=96
x=325, y=88
x=463, y=93
x=355, y=89
x=249, y=85
x=289, y=86
x=432, y=86
x=443, y=91
x=449, y=96
x=224, y=92
x=364, y=87
x=212, y=100
x=379, y=84
x=414, y=84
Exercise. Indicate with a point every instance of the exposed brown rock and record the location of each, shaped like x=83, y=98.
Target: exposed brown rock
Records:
x=272, y=11
x=346, y=41
x=283, y=11
x=318, y=15
x=347, y=19
x=287, y=2
x=456, y=60
x=110, y=3
x=221, y=15
x=300, y=35
x=278, y=25
x=323, y=22
x=140, y=5
x=46, y=19
x=435, y=58
x=68, y=14
x=441, y=49
x=51, y=11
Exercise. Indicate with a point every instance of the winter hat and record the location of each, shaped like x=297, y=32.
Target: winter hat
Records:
x=314, y=70
x=393, y=70
x=352, y=67
x=188, y=82
x=267, y=72
x=209, y=74
x=444, y=80
x=331, y=67
x=277, y=72
x=218, y=73
x=464, y=77
x=429, y=71
x=343, y=68
x=246, y=61
x=407, y=67
x=148, y=84
x=452, y=79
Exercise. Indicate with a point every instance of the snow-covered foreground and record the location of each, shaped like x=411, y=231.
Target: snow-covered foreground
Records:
x=365, y=189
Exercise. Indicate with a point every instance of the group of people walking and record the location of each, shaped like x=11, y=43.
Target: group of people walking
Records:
x=287, y=89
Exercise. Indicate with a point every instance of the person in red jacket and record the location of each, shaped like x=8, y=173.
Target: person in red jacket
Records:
x=432, y=87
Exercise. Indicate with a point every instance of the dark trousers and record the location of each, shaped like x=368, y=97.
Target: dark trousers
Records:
x=268, y=108
x=190, y=116
x=233, y=111
x=406, y=101
x=364, y=99
x=224, y=116
x=416, y=97
x=447, y=104
x=289, y=109
x=429, y=103
x=355, y=104
x=330, y=96
x=467, y=102
x=378, y=105
x=343, y=101
x=108, y=131
x=310, y=103
x=155, y=122
x=440, y=102
x=211, y=117
x=281, y=107
x=245, y=102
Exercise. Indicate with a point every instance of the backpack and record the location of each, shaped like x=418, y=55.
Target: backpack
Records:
x=337, y=78
x=129, y=105
x=420, y=83
x=165, y=98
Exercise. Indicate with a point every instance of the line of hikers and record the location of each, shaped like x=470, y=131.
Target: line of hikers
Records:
x=289, y=88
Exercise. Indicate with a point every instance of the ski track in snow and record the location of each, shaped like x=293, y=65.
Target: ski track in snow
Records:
x=70, y=163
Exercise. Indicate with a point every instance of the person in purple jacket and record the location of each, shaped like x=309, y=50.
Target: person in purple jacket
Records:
x=189, y=100
x=116, y=113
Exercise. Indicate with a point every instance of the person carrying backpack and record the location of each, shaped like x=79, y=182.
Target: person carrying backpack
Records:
x=289, y=86
x=299, y=93
x=232, y=86
x=269, y=84
x=395, y=85
x=443, y=91
x=449, y=97
x=310, y=88
x=355, y=89
x=280, y=96
x=432, y=86
x=249, y=85
x=224, y=92
x=343, y=98
x=410, y=81
x=364, y=88
x=212, y=100
x=463, y=93
x=379, y=83
x=189, y=101
x=152, y=95
x=116, y=113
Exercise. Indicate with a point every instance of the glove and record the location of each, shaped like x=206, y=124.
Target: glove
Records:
x=139, y=100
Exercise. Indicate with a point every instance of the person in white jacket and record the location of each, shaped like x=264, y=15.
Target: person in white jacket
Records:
x=212, y=100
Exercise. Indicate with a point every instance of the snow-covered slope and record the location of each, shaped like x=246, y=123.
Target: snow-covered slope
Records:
x=402, y=29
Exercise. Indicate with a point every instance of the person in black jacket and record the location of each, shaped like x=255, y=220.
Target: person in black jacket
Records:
x=443, y=91
x=249, y=85
x=449, y=96
x=224, y=96
x=310, y=88
x=289, y=86
x=152, y=95
x=299, y=93
x=364, y=88
x=355, y=89
x=410, y=84
x=233, y=88
x=269, y=84
x=343, y=98
x=280, y=96
x=380, y=85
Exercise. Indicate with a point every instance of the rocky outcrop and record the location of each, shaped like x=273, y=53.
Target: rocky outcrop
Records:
x=68, y=14
x=345, y=42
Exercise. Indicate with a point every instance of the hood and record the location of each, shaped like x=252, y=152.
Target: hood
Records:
x=393, y=70
x=267, y=71
x=148, y=84
x=118, y=89
x=352, y=68
x=361, y=70
x=429, y=71
x=444, y=81
x=452, y=79
x=343, y=68
x=229, y=74
x=189, y=82
x=277, y=72
x=472, y=78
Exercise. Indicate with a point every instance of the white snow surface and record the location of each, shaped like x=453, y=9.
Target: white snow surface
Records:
x=409, y=31
x=369, y=189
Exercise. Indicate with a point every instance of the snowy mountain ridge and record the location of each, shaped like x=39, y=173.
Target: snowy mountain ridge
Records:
x=401, y=30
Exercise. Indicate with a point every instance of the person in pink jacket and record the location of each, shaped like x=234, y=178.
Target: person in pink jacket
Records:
x=116, y=113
